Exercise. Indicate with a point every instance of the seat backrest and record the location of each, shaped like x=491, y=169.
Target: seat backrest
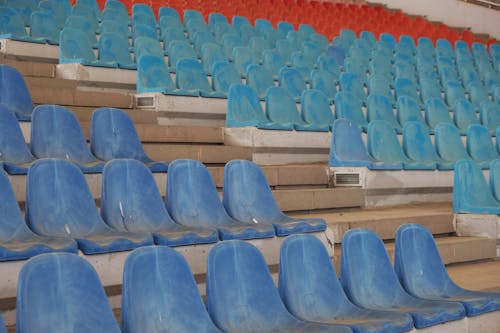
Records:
x=378, y=107
x=170, y=22
x=292, y=80
x=364, y=261
x=281, y=107
x=12, y=23
x=74, y=46
x=160, y=293
x=144, y=19
x=470, y=189
x=87, y=13
x=315, y=107
x=153, y=75
x=347, y=144
x=170, y=34
x=495, y=178
x=144, y=30
x=417, y=143
x=349, y=107
x=13, y=148
x=324, y=81
x=59, y=202
x=382, y=142
x=224, y=74
x=43, y=24
x=479, y=144
x=240, y=291
x=210, y=54
x=214, y=18
x=92, y=4
x=201, y=38
x=259, y=79
x=436, y=112
x=142, y=8
x=405, y=87
x=330, y=65
x=408, y=110
x=388, y=39
x=145, y=46
x=193, y=199
x=284, y=27
x=243, y=105
x=464, y=114
x=453, y=90
x=273, y=61
x=191, y=14
x=168, y=11
x=53, y=286
x=113, y=135
x=179, y=49
x=448, y=143
x=114, y=47
x=130, y=199
x=490, y=114
x=243, y=56
x=247, y=195
x=230, y=41
x=190, y=75
x=285, y=48
x=56, y=133
x=114, y=26
x=477, y=93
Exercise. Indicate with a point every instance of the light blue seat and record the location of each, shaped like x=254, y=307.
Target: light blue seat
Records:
x=380, y=85
x=221, y=29
x=115, y=26
x=193, y=201
x=43, y=27
x=248, y=198
x=143, y=30
x=224, y=74
x=168, y=11
x=283, y=28
x=347, y=106
x=477, y=93
x=307, y=275
x=12, y=25
x=191, y=14
x=59, y=203
x=153, y=76
x=315, y=108
x=86, y=13
x=348, y=149
x=23, y=7
x=495, y=177
x=161, y=295
x=449, y=145
x=244, y=28
x=17, y=241
x=92, y=4
x=14, y=93
x=285, y=49
x=468, y=74
x=85, y=26
x=409, y=110
x=383, y=145
x=177, y=50
x=142, y=8
x=244, y=109
x=330, y=65
x=172, y=34
x=120, y=17
x=243, y=56
x=14, y=152
x=56, y=133
x=170, y=22
x=210, y=54
x=59, y=10
x=436, y=111
x=490, y=115
x=192, y=80
x=144, y=19
x=259, y=44
x=496, y=94
x=113, y=135
x=429, y=89
x=364, y=261
x=201, y=38
x=453, y=91
x=443, y=48
x=62, y=285
x=465, y=115
x=406, y=87
x=300, y=63
x=351, y=83
x=273, y=62
x=75, y=47
x=259, y=79
x=114, y=51
x=325, y=82
x=292, y=80
x=214, y=18
x=382, y=67
x=422, y=273
x=241, y=296
x=281, y=108
x=369, y=37
x=418, y=146
x=403, y=70
x=479, y=144
x=230, y=41
x=145, y=46
x=130, y=201
x=195, y=26
x=388, y=39
x=378, y=107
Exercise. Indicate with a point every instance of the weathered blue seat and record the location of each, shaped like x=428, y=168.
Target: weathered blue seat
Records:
x=347, y=106
x=14, y=93
x=114, y=51
x=479, y=144
x=259, y=79
x=379, y=107
x=224, y=74
x=192, y=80
x=315, y=108
x=153, y=76
x=292, y=80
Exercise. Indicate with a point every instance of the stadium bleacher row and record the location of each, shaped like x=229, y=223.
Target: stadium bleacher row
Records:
x=94, y=220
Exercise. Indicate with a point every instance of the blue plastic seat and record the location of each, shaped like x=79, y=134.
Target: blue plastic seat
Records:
x=168, y=11
x=418, y=146
x=351, y=83
x=210, y=54
x=406, y=87
x=62, y=285
x=259, y=79
x=214, y=18
x=330, y=65
x=14, y=93
x=243, y=56
x=241, y=296
x=293, y=81
x=115, y=26
x=477, y=93
x=92, y=4
x=195, y=26
x=14, y=152
x=369, y=37
x=191, y=14
x=490, y=115
x=192, y=80
x=244, y=28
x=145, y=46
x=307, y=274
x=119, y=16
x=258, y=45
x=224, y=74
x=43, y=27
x=56, y=133
x=143, y=9
x=315, y=108
x=285, y=49
x=429, y=89
x=75, y=47
x=383, y=145
x=403, y=70
x=59, y=10
x=425, y=45
x=59, y=187
x=85, y=27
x=144, y=19
x=143, y=30
x=24, y=8
x=86, y=13
x=281, y=108
x=17, y=241
x=153, y=76
x=193, y=201
x=388, y=39
x=131, y=202
x=364, y=262
x=479, y=144
x=347, y=106
x=114, y=50
x=422, y=273
x=325, y=82
x=283, y=28
x=348, y=149
x=273, y=62
x=248, y=198
x=177, y=50
x=436, y=112
x=172, y=34
x=201, y=38
x=444, y=49
x=12, y=25
x=495, y=177
x=230, y=41
x=160, y=294
x=300, y=63
x=244, y=109
x=170, y=22
x=113, y=135
x=378, y=107
x=380, y=85
x=409, y=110
x=448, y=143
x=223, y=28
x=453, y=91
x=465, y=115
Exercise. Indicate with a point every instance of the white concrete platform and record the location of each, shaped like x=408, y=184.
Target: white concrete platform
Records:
x=98, y=76
x=477, y=225
x=485, y=323
x=29, y=51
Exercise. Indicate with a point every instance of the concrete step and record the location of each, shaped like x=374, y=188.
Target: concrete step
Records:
x=30, y=68
x=215, y=154
x=84, y=114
